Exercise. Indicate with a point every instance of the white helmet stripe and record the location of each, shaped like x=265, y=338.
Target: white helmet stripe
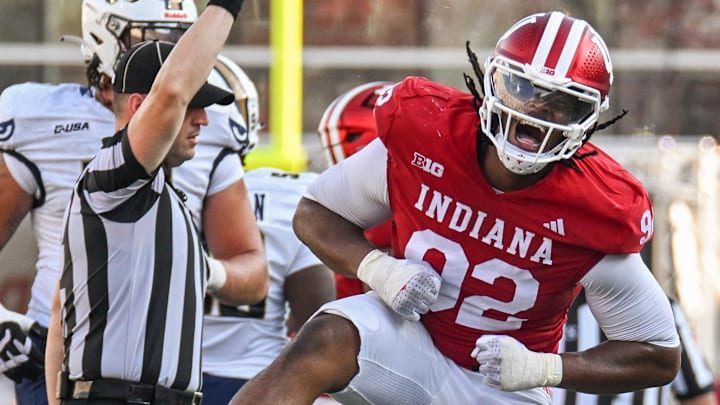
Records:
x=330, y=134
x=547, y=40
x=571, y=46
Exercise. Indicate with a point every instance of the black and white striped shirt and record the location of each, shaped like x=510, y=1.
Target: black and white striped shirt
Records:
x=582, y=332
x=133, y=280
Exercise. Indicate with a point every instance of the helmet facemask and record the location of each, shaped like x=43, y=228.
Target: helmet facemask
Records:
x=111, y=28
x=129, y=33
x=532, y=120
x=134, y=32
x=245, y=111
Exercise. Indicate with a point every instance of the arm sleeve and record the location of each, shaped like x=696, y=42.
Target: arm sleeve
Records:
x=628, y=303
x=356, y=188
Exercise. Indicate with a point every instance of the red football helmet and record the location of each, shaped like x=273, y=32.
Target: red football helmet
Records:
x=550, y=73
x=347, y=125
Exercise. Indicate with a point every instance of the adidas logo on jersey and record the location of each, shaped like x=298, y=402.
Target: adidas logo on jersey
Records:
x=557, y=226
x=72, y=127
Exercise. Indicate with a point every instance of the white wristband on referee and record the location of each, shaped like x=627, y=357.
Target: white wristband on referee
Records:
x=217, y=274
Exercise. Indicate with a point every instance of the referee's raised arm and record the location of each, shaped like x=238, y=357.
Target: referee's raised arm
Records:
x=155, y=125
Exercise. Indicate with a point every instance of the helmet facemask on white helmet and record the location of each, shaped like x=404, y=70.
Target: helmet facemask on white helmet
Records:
x=111, y=28
x=245, y=111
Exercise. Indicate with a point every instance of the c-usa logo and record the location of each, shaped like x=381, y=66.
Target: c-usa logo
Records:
x=6, y=129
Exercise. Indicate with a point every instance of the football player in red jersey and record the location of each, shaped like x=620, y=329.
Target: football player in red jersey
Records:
x=347, y=125
x=502, y=211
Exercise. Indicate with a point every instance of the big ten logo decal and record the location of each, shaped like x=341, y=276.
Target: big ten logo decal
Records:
x=428, y=165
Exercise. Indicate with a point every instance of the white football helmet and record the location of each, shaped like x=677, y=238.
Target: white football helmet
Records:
x=229, y=76
x=110, y=27
x=549, y=74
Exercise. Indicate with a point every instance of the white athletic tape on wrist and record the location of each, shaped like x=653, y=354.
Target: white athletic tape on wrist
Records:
x=508, y=365
x=217, y=276
x=378, y=270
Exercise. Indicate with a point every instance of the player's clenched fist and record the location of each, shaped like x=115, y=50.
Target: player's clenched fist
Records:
x=408, y=287
x=508, y=365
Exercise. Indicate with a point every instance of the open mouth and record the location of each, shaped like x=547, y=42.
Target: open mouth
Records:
x=528, y=137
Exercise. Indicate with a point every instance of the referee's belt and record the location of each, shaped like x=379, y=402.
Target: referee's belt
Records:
x=132, y=392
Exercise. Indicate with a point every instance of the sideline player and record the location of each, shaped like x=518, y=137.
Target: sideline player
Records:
x=502, y=212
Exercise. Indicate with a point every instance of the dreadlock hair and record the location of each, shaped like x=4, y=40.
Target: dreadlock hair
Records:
x=597, y=127
x=479, y=75
x=478, y=99
x=482, y=141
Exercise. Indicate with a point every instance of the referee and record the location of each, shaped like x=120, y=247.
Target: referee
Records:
x=693, y=384
x=127, y=317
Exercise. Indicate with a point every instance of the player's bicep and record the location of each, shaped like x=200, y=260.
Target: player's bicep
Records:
x=356, y=188
x=628, y=303
x=229, y=223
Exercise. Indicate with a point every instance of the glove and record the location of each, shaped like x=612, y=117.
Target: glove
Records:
x=508, y=365
x=408, y=287
x=19, y=357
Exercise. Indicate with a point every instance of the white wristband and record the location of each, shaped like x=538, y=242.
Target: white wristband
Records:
x=218, y=274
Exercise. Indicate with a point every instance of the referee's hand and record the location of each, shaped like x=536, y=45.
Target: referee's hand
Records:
x=19, y=357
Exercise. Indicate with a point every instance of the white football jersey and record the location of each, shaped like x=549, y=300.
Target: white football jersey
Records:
x=57, y=128
x=216, y=164
x=238, y=342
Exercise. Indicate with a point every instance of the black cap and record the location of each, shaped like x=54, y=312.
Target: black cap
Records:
x=136, y=69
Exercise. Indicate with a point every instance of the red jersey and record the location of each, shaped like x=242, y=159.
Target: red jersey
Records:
x=510, y=262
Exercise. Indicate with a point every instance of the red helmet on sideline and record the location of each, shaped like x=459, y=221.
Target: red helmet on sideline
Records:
x=347, y=125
